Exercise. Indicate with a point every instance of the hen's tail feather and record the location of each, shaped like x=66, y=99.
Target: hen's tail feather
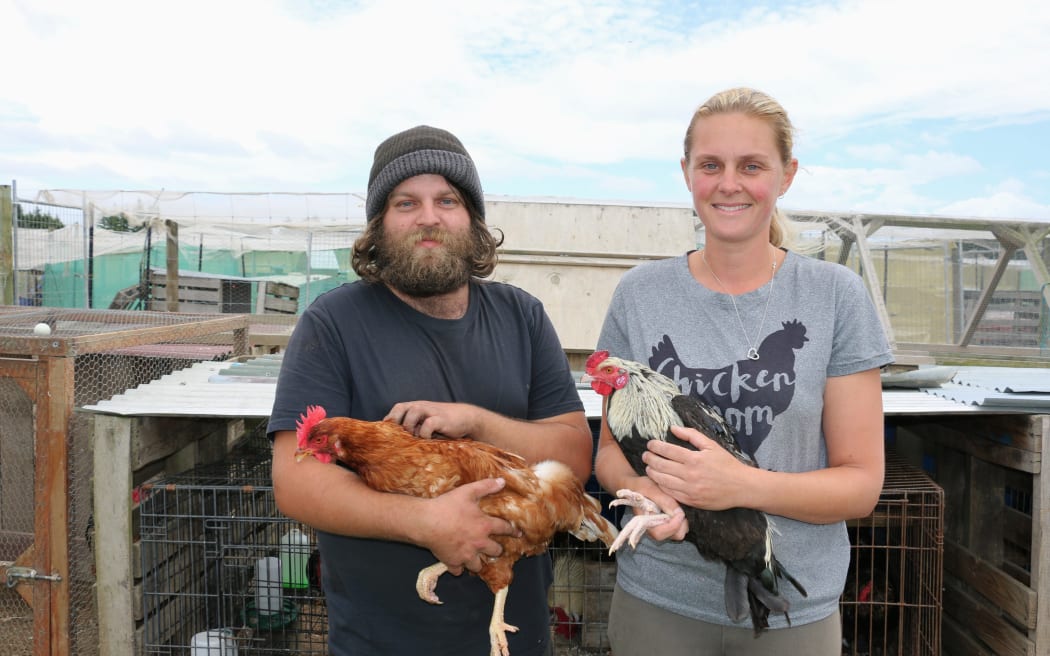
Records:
x=595, y=527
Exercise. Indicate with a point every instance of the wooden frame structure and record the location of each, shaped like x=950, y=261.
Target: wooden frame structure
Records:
x=43, y=367
x=854, y=229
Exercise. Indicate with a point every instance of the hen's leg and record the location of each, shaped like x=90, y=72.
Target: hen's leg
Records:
x=427, y=581
x=498, y=628
x=633, y=530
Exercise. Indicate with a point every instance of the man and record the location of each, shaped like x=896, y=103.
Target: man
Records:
x=423, y=340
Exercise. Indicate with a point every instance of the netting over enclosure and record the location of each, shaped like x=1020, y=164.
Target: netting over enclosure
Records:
x=108, y=243
x=936, y=280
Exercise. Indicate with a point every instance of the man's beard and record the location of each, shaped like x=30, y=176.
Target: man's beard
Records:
x=430, y=271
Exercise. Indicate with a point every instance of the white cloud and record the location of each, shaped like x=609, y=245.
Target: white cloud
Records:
x=245, y=93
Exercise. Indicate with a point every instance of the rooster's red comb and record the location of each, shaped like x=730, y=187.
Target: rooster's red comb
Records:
x=595, y=359
x=307, y=421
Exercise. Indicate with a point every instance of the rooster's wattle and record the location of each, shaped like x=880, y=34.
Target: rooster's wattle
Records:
x=641, y=405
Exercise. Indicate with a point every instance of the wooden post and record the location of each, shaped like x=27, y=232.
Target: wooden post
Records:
x=113, y=541
x=54, y=403
x=7, y=248
x=172, y=248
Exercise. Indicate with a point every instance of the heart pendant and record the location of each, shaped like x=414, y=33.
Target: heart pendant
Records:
x=752, y=353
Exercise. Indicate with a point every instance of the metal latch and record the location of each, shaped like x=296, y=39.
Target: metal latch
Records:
x=16, y=573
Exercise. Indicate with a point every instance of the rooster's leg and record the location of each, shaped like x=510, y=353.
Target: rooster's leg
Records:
x=633, y=530
x=498, y=627
x=427, y=581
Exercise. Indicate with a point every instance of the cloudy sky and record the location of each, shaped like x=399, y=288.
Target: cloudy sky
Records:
x=901, y=106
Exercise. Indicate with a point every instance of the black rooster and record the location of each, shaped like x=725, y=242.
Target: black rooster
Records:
x=643, y=405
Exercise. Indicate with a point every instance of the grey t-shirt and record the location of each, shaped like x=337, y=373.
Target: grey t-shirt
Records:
x=820, y=323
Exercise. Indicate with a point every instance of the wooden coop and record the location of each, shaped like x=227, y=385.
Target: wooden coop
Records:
x=996, y=544
x=206, y=293
x=51, y=362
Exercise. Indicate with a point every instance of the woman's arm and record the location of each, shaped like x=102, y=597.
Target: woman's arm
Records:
x=848, y=488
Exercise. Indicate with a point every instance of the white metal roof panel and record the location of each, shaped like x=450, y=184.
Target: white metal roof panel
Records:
x=224, y=389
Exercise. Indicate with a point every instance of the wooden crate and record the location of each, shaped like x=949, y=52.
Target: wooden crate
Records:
x=996, y=575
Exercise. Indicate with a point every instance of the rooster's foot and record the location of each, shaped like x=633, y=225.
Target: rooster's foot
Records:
x=633, y=531
x=427, y=581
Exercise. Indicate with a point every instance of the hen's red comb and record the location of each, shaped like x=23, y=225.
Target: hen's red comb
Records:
x=595, y=359
x=307, y=420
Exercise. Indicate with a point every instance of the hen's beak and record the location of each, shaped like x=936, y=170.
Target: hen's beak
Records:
x=586, y=378
x=302, y=453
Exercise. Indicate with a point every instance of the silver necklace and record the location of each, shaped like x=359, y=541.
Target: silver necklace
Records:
x=752, y=351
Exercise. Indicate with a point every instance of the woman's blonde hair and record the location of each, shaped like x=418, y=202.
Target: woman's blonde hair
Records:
x=754, y=103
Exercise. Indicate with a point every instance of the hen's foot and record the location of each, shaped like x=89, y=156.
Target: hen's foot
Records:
x=427, y=581
x=498, y=627
x=649, y=516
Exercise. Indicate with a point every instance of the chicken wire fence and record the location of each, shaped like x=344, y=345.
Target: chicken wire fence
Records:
x=52, y=361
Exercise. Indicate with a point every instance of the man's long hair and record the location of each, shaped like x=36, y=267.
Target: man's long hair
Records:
x=366, y=264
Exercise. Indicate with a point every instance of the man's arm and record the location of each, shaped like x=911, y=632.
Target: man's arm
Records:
x=335, y=500
x=565, y=437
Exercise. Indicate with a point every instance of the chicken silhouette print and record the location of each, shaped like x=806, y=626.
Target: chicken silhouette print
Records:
x=751, y=393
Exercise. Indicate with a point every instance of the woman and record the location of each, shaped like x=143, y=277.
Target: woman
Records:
x=789, y=348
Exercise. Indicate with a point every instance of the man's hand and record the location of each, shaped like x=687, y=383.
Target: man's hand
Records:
x=429, y=419
x=458, y=533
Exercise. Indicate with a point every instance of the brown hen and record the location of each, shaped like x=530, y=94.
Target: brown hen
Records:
x=539, y=501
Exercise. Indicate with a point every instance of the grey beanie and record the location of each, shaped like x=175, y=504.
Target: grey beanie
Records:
x=416, y=151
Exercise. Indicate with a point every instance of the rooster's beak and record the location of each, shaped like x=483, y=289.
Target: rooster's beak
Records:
x=302, y=453
x=586, y=378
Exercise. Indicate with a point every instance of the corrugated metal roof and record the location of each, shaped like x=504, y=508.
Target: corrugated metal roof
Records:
x=1005, y=379
x=246, y=389
x=999, y=388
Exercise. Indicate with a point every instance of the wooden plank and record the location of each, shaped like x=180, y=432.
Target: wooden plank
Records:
x=1040, y=549
x=54, y=401
x=1017, y=526
x=955, y=641
x=1009, y=595
x=113, y=553
x=262, y=288
x=281, y=305
x=988, y=626
x=962, y=440
x=986, y=510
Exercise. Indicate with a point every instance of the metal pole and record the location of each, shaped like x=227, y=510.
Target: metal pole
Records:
x=85, y=210
x=309, y=252
x=8, y=260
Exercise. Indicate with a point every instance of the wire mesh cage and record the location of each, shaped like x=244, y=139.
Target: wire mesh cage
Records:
x=584, y=576
x=222, y=567
x=891, y=605
x=53, y=360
